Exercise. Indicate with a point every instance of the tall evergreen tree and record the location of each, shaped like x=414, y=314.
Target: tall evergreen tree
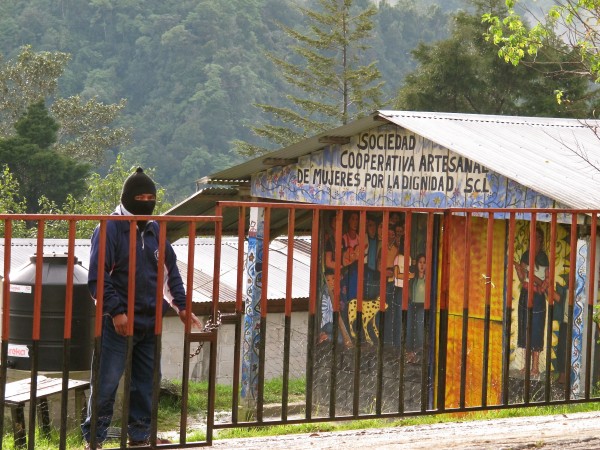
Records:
x=333, y=85
x=38, y=169
x=87, y=127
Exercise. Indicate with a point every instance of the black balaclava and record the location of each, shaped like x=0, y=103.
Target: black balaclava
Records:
x=136, y=184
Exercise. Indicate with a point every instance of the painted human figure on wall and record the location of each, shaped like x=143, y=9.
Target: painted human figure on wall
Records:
x=396, y=306
x=393, y=311
x=540, y=288
x=326, y=333
x=416, y=313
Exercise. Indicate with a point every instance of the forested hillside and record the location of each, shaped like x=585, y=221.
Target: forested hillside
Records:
x=191, y=70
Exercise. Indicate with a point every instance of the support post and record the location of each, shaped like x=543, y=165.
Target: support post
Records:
x=253, y=290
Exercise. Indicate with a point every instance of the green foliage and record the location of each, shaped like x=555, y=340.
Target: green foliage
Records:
x=37, y=168
x=29, y=79
x=11, y=202
x=464, y=74
x=87, y=128
x=191, y=72
x=334, y=85
x=575, y=20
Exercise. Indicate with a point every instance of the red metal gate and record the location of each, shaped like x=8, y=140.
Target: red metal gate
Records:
x=443, y=322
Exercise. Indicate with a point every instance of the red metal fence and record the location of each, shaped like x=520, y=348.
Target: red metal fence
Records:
x=436, y=313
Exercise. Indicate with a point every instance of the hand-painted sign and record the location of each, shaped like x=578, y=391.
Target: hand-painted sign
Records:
x=391, y=166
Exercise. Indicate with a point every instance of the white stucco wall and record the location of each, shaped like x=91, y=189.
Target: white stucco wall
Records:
x=172, y=349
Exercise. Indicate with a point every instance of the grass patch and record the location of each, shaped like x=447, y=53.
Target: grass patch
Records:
x=170, y=412
x=277, y=430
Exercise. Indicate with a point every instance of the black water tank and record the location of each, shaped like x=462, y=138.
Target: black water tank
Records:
x=54, y=284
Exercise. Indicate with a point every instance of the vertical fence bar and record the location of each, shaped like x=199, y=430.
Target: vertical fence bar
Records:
x=67, y=335
x=590, y=306
x=5, y=318
x=382, y=311
x=130, y=318
x=93, y=402
x=37, y=317
x=530, y=283
x=288, y=313
x=185, y=377
x=337, y=275
x=260, y=396
x=359, y=312
x=239, y=311
x=508, y=310
x=551, y=277
x=159, y=295
x=405, y=289
x=212, y=373
x=427, y=314
x=487, y=316
x=444, y=304
x=465, y=321
x=312, y=302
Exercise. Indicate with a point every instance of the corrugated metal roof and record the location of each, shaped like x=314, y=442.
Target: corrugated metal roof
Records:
x=202, y=203
x=204, y=268
x=556, y=157
x=23, y=249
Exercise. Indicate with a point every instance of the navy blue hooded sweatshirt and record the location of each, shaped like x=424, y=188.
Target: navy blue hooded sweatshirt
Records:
x=116, y=272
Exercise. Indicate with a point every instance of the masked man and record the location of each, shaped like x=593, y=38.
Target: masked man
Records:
x=137, y=198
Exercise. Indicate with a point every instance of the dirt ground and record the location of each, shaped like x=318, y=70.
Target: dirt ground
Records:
x=564, y=431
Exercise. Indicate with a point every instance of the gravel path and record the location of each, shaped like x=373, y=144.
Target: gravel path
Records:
x=564, y=431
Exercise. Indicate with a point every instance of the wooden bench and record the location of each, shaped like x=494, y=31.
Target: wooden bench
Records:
x=18, y=393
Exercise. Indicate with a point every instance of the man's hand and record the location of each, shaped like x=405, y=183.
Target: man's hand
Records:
x=195, y=321
x=120, y=323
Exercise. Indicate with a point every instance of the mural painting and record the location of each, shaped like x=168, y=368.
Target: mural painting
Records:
x=389, y=166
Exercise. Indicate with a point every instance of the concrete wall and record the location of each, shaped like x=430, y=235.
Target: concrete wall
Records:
x=172, y=349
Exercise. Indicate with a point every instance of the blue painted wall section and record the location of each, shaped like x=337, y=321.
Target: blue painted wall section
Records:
x=577, y=350
x=252, y=307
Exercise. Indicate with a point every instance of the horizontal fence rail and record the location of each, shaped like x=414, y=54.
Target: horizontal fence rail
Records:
x=346, y=312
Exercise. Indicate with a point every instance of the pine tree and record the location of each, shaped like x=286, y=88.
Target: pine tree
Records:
x=38, y=169
x=334, y=86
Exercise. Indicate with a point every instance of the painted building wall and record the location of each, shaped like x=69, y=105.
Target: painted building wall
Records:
x=390, y=166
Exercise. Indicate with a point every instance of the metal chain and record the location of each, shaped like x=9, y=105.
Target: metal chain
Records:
x=209, y=326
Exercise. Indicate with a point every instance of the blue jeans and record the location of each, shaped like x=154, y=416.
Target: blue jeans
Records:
x=112, y=365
